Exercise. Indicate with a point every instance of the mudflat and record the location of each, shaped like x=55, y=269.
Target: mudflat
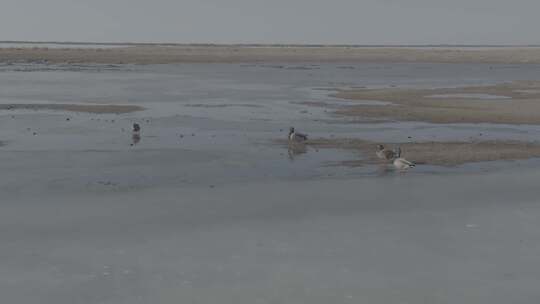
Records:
x=86, y=108
x=507, y=103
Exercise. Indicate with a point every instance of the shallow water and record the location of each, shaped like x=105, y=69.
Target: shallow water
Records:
x=453, y=238
x=210, y=123
x=208, y=207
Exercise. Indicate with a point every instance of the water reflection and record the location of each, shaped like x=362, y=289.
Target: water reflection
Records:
x=136, y=135
x=135, y=139
x=384, y=169
x=295, y=149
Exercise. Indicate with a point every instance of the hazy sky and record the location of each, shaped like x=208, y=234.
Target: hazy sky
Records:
x=274, y=21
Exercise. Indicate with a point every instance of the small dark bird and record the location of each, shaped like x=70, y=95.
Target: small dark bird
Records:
x=136, y=136
x=136, y=128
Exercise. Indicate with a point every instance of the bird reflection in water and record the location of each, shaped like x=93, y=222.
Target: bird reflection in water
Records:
x=295, y=149
x=135, y=139
x=136, y=134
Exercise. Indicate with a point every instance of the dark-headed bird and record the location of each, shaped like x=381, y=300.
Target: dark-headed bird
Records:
x=296, y=137
x=384, y=153
x=136, y=128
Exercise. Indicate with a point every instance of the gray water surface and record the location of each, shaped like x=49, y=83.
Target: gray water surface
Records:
x=208, y=208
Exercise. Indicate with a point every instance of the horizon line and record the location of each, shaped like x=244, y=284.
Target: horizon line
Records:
x=260, y=44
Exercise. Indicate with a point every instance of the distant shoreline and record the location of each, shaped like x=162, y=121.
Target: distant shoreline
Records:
x=168, y=54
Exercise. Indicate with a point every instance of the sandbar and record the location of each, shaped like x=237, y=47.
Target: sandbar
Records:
x=447, y=154
x=84, y=108
x=511, y=103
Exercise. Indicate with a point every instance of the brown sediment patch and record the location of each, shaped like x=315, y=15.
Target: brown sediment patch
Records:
x=326, y=89
x=313, y=103
x=95, y=109
x=433, y=153
x=521, y=104
x=222, y=105
x=318, y=104
x=155, y=54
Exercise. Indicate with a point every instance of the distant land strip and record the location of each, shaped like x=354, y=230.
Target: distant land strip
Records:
x=197, y=53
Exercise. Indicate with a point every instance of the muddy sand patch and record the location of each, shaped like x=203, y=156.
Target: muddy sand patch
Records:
x=512, y=103
x=222, y=105
x=94, y=109
x=446, y=154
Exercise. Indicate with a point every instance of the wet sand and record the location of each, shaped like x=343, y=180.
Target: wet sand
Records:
x=432, y=153
x=222, y=105
x=231, y=53
x=511, y=103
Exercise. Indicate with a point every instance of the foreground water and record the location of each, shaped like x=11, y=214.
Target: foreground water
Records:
x=208, y=208
x=403, y=239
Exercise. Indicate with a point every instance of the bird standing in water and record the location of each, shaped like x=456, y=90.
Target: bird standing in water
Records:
x=136, y=128
x=295, y=136
x=385, y=154
x=401, y=163
x=136, y=136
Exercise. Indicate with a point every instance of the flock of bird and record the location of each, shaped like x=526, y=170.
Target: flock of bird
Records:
x=393, y=156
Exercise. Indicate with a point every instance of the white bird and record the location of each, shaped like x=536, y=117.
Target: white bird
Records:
x=295, y=136
x=384, y=153
x=401, y=163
